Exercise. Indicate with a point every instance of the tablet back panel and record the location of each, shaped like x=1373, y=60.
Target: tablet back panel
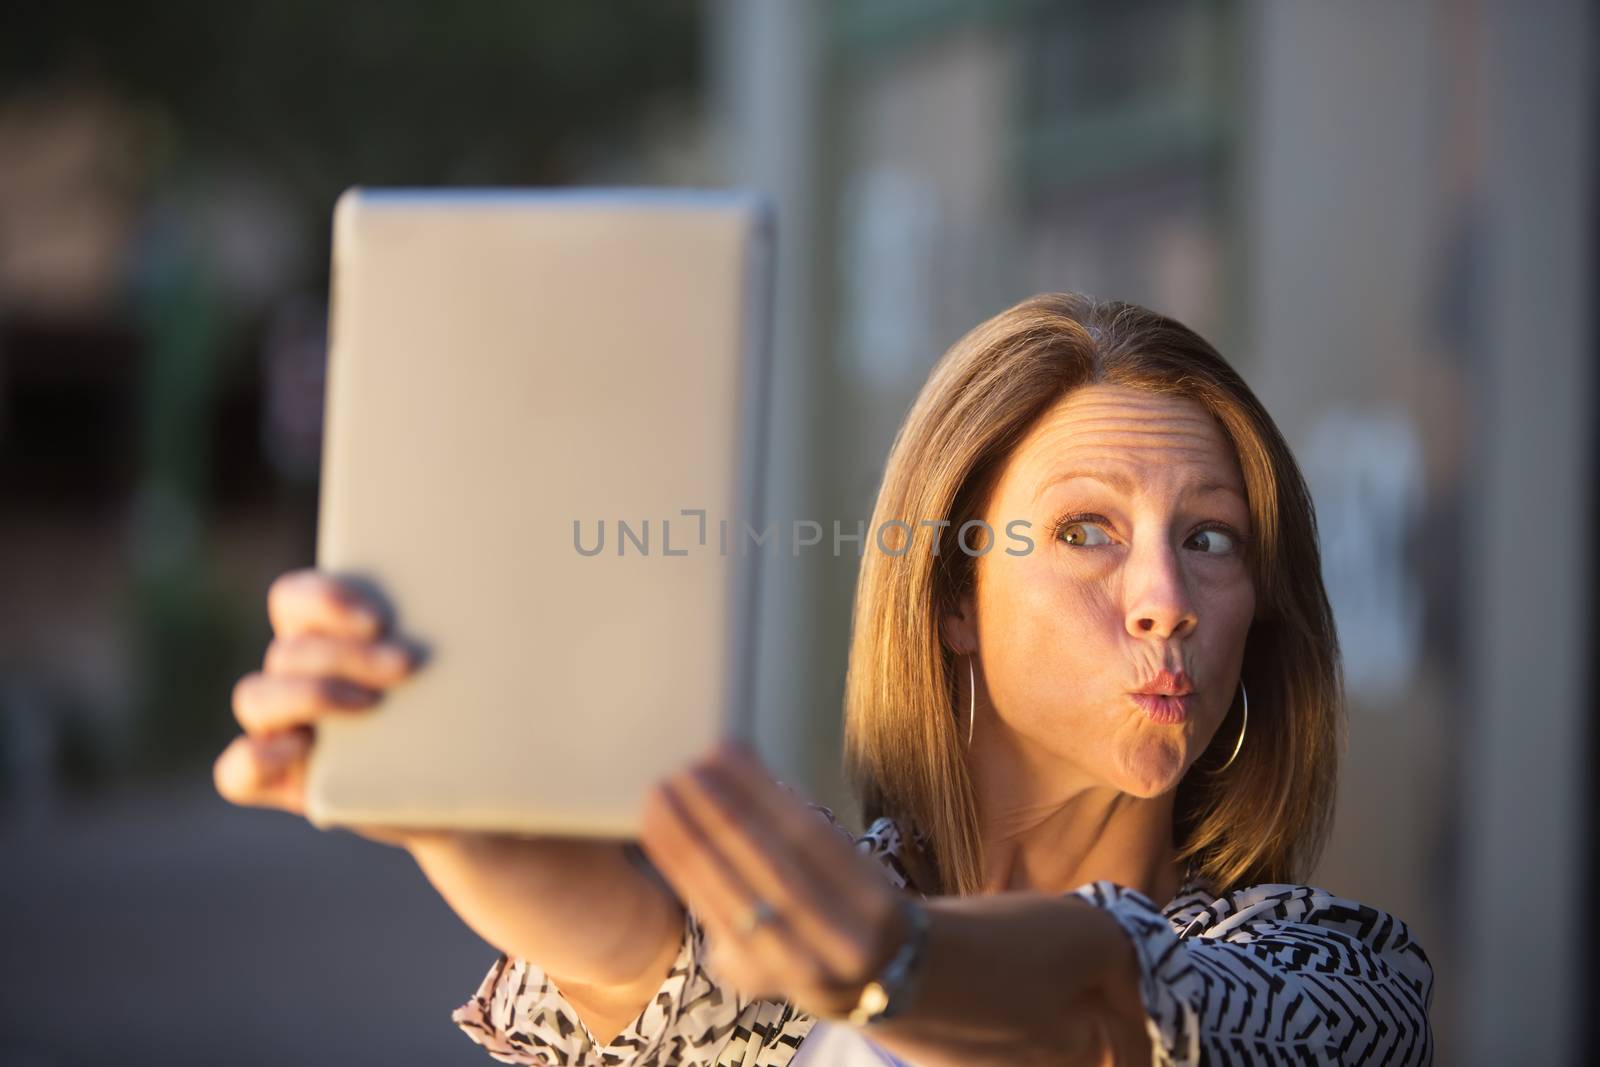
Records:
x=516, y=379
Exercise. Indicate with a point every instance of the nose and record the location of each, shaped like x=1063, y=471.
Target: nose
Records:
x=1159, y=604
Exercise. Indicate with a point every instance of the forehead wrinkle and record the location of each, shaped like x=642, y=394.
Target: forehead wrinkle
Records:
x=1135, y=406
x=1127, y=426
x=1205, y=470
x=1122, y=423
x=1202, y=450
x=1148, y=440
x=1112, y=449
x=1205, y=484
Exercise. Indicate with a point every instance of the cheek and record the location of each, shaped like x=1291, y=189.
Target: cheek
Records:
x=1226, y=611
x=1046, y=635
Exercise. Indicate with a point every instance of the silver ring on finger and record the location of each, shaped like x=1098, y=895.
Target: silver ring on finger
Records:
x=759, y=914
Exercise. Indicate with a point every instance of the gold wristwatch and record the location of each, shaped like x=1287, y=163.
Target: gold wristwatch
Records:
x=888, y=994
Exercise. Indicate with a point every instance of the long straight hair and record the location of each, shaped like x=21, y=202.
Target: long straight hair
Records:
x=1267, y=817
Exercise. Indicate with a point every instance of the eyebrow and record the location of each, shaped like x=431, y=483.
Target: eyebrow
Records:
x=1117, y=480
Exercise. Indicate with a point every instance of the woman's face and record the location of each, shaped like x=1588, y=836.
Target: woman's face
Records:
x=1137, y=578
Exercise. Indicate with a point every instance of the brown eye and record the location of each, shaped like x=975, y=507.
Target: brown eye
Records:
x=1223, y=541
x=1080, y=534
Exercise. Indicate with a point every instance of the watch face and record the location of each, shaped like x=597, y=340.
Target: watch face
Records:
x=873, y=1000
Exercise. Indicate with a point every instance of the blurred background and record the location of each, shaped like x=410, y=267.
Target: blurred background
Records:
x=1381, y=213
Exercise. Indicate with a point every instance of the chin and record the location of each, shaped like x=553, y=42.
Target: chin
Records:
x=1146, y=789
x=1155, y=767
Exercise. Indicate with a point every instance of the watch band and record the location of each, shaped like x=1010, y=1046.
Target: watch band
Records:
x=888, y=994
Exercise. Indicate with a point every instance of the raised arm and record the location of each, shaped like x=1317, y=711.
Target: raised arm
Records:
x=683, y=1012
x=1020, y=978
x=595, y=924
x=1272, y=974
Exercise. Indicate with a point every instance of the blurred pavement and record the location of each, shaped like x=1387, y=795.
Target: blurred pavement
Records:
x=170, y=927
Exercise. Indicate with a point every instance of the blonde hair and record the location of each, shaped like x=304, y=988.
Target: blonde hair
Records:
x=1265, y=819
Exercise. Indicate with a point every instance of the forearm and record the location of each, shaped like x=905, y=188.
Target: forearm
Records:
x=1020, y=978
x=575, y=907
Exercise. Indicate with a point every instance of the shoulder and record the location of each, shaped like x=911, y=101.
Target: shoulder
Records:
x=1262, y=909
x=1313, y=976
x=1308, y=926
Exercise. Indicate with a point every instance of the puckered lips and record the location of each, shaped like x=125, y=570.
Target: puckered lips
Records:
x=1168, y=698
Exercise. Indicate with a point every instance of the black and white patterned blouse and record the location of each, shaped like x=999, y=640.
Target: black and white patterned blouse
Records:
x=1264, y=975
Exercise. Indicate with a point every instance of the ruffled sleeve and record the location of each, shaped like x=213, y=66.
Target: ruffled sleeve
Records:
x=1277, y=974
x=519, y=1015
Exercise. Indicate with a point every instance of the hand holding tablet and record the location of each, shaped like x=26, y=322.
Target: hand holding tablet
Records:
x=329, y=656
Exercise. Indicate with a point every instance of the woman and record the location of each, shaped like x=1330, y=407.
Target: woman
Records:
x=1096, y=554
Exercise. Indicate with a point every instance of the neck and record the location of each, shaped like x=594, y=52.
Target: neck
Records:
x=1049, y=829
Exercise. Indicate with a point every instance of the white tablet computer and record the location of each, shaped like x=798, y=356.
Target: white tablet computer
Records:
x=543, y=440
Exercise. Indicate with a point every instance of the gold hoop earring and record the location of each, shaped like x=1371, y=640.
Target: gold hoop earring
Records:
x=972, y=699
x=1242, y=728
